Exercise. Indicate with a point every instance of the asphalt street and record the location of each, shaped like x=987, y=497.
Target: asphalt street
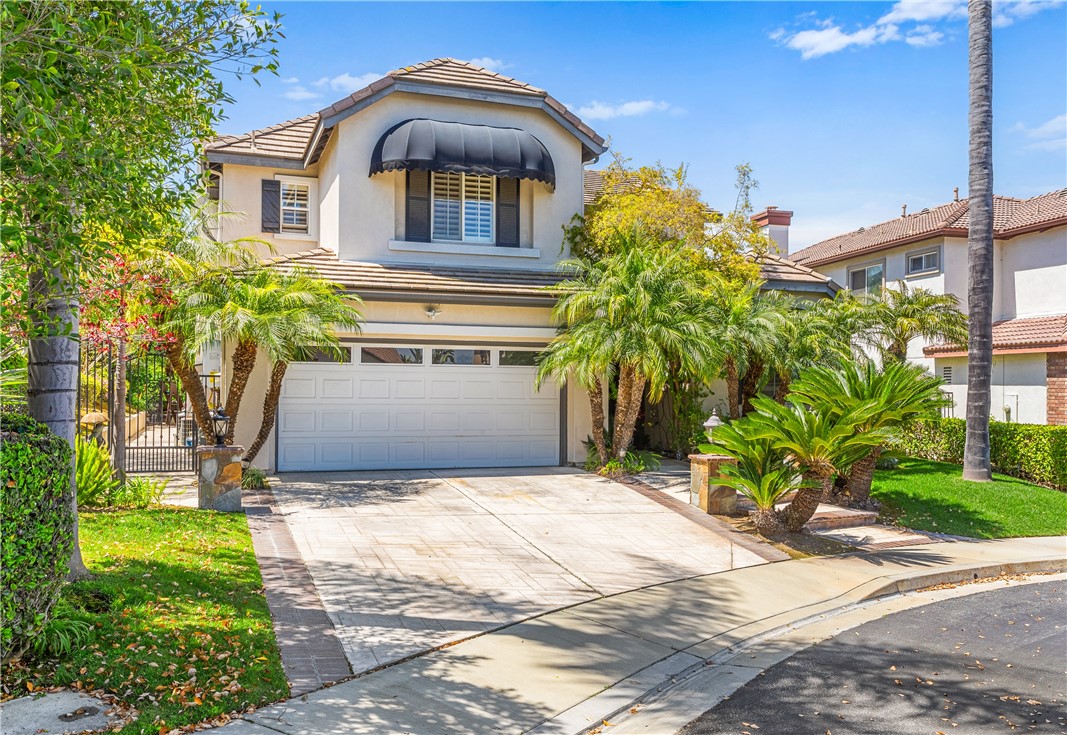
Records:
x=992, y=662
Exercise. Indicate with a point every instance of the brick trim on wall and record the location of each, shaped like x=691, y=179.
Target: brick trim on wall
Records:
x=1056, y=380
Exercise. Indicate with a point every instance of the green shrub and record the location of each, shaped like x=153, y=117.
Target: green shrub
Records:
x=61, y=635
x=139, y=492
x=94, y=478
x=254, y=478
x=1033, y=452
x=36, y=525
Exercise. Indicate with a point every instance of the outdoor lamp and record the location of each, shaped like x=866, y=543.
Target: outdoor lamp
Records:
x=713, y=422
x=220, y=423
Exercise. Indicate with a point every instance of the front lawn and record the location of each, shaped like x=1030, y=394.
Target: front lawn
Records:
x=932, y=496
x=181, y=630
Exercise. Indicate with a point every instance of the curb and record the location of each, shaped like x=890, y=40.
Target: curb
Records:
x=633, y=690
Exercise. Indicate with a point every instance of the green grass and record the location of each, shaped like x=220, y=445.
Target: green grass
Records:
x=181, y=629
x=932, y=496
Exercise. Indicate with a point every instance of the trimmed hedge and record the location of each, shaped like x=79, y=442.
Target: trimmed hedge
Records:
x=1029, y=451
x=37, y=527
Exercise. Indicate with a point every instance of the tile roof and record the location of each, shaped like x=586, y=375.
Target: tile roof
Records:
x=1030, y=333
x=1010, y=217
x=360, y=276
x=291, y=139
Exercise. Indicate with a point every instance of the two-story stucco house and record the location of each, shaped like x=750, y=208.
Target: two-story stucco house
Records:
x=928, y=249
x=437, y=194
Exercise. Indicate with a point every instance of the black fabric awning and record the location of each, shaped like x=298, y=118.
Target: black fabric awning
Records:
x=433, y=145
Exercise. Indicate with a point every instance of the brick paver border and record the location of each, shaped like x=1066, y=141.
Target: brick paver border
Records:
x=312, y=656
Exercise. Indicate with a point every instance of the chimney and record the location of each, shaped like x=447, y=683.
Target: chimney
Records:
x=774, y=223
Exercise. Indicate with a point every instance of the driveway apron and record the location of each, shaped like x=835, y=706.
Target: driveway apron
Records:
x=407, y=561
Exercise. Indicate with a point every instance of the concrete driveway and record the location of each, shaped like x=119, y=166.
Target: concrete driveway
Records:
x=407, y=561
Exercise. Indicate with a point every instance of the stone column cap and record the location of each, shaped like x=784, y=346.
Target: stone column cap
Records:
x=212, y=449
x=706, y=457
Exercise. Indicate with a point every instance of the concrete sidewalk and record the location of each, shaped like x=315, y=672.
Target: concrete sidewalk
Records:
x=560, y=672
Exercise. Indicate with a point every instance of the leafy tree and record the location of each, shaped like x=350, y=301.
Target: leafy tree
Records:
x=976, y=464
x=662, y=202
x=903, y=313
x=102, y=106
x=636, y=313
x=892, y=395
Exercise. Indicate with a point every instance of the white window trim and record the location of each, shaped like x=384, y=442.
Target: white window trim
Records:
x=450, y=247
x=313, y=208
x=491, y=242
x=863, y=267
x=926, y=271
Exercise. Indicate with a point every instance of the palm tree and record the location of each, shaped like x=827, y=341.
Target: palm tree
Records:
x=635, y=314
x=808, y=334
x=314, y=310
x=904, y=314
x=976, y=464
x=895, y=394
x=746, y=326
x=821, y=444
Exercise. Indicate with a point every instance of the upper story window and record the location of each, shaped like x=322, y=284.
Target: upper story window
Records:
x=294, y=208
x=867, y=280
x=924, y=262
x=463, y=207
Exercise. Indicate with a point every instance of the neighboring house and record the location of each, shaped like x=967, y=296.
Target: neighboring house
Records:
x=928, y=249
x=438, y=195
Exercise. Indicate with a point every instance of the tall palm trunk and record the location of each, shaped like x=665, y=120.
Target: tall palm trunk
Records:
x=750, y=385
x=183, y=367
x=860, y=477
x=976, y=465
x=270, y=408
x=622, y=407
x=625, y=424
x=244, y=360
x=54, y=364
x=596, y=408
x=805, y=503
x=733, y=386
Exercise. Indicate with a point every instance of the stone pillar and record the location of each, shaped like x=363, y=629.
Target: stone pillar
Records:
x=1056, y=388
x=220, y=478
x=704, y=492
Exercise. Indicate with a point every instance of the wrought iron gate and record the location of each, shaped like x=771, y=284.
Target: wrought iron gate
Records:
x=161, y=434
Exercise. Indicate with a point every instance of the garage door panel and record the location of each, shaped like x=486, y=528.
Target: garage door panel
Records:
x=351, y=416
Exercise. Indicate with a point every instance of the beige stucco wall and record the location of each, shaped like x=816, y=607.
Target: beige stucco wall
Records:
x=1018, y=384
x=240, y=199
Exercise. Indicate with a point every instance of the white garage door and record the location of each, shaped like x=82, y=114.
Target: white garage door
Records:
x=417, y=406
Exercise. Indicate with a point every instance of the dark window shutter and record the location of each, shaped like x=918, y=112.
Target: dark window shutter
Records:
x=272, y=202
x=507, y=213
x=417, y=217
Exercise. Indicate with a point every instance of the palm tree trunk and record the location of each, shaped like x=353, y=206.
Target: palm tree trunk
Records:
x=244, y=360
x=782, y=389
x=270, y=409
x=596, y=408
x=732, y=388
x=192, y=385
x=622, y=408
x=625, y=437
x=805, y=503
x=860, y=477
x=54, y=365
x=750, y=385
x=976, y=465
x=767, y=522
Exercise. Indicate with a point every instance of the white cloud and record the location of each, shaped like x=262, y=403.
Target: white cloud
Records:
x=300, y=92
x=346, y=83
x=290, y=80
x=917, y=19
x=604, y=111
x=1048, y=136
x=490, y=63
x=923, y=35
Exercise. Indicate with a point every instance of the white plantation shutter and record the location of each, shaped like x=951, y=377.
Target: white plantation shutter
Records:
x=294, y=208
x=478, y=208
x=463, y=207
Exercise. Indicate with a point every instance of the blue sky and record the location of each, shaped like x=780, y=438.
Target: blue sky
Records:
x=845, y=110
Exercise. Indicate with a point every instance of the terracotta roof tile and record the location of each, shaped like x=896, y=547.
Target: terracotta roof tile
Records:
x=776, y=268
x=1010, y=217
x=1011, y=334
x=291, y=139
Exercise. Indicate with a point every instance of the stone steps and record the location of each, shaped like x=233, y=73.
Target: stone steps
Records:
x=826, y=517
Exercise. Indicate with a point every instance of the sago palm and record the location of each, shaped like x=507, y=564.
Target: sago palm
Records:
x=820, y=442
x=639, y=311
x=889, y=396
x=904, y=313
